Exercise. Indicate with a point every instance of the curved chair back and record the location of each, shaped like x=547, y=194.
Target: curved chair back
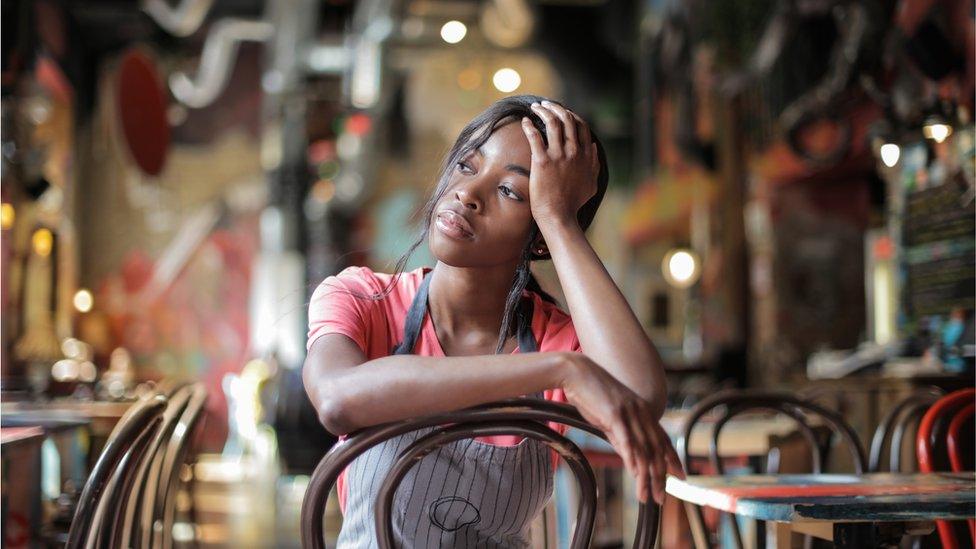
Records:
x=171, y=385
x=525, y=417
x=931, y=443
x=959, y=458
x=891, y=431
x=140, y=496
x=732, y=403
x=108, y=523
x=157, y=526
x=127, y=439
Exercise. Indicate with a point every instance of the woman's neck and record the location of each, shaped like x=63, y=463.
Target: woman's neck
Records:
x=469, y=301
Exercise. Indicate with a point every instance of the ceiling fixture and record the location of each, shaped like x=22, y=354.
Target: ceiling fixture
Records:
x=890, y=154
x=453, y=32
x=936, y=130
x=506, y=80
x=681, y=268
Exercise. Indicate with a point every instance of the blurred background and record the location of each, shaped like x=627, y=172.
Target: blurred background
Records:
x=791, y=200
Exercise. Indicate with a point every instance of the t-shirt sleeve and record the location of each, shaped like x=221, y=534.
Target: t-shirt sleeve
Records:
x=560, y=334
x=341, y=304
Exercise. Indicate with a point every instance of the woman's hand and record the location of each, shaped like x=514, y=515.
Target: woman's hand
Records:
x=627, y=420
x=563, y=174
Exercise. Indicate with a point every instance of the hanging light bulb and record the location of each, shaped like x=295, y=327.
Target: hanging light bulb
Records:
x=681, y=267
x=83, y=301
x=936, y=130
x=453, y=32
x=506, y=80
x=890, y=153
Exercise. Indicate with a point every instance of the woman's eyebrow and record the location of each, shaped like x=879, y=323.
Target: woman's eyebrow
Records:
x=515, y=168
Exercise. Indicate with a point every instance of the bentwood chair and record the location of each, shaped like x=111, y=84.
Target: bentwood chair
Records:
x=145, y=511
x=940, y=446
x=177, y=453
x=114, y=471
x=128, y=505
x=900, y=419
x=525, y=417
x=810, y=419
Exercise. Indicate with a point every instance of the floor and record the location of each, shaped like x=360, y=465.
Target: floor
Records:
x=246, y=503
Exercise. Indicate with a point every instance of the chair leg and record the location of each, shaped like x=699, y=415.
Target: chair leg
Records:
x=697, y=522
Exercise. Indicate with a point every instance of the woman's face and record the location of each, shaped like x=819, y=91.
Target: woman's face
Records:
x=483, y=219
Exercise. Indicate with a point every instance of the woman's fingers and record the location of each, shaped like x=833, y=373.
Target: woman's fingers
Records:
x=584, y=130
x=572, y=144
x=671, y=456
x=554, y=130
x=536, y=145
x=639, y=442
x=659, y=466
x=619, y=440
x=652, y=463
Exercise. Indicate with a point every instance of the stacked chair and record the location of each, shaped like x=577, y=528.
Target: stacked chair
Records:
x=812, y=422
x=129, y=497
x=901, y=419
x=928, y=427
x=525, y=417
x=945, y=443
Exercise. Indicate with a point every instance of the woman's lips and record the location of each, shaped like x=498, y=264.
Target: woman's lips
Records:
x=453, y=225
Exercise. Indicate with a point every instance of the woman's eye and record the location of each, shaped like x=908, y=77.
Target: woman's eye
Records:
x=506, y=191
x=463, y=167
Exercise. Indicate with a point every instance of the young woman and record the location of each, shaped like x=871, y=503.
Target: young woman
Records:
x=521, y=184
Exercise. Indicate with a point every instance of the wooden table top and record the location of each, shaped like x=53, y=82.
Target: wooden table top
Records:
x=101, y=415
x=50, y=423
x=69, y=408
x=18, y=435
x=878, y=497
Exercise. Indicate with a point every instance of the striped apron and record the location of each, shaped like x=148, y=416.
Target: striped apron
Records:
x=464, y=494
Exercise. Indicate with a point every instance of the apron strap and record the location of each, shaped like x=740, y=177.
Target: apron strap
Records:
x=418, y=310
x=415, y=319
x=526, y=339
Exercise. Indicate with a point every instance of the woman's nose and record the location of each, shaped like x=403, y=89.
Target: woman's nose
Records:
x=468, y=197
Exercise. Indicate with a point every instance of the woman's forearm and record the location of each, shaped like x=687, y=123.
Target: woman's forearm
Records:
x=398, y=387
x=608, y=331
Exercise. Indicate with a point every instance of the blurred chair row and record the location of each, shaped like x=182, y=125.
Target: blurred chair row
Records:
x=943, y=441
x=129, y=498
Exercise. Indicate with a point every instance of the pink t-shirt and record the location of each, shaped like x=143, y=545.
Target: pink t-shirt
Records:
x=376, y=326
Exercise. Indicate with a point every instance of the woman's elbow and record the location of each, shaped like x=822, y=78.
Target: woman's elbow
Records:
x=330, y=406
x=333, y=415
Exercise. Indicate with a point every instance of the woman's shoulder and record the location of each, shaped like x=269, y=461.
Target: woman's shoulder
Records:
x=364, y=280
x=548, y=309
x=549, y=320
x=553, y=326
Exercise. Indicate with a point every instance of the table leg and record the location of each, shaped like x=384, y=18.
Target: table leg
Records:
x=782, y=534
